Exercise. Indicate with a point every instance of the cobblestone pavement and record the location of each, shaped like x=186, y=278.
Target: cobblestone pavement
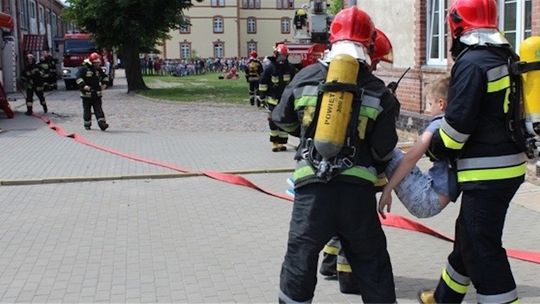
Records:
x=185, y=239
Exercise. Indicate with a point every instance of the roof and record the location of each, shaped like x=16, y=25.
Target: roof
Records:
x=35, y=43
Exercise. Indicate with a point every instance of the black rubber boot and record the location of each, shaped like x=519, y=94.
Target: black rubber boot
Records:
x=44, y=105
x=28, y=111
x=103, y=125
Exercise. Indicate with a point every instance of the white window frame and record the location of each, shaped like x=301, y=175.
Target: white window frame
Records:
x=185, y=50
x=215, y=3
x=440, y=8
x=251, y=4
x=520, y=31
x=187, y=28
x=219, y=49
x=218, y=24
x=251, y=46
x=251, y=25
x=285, y=25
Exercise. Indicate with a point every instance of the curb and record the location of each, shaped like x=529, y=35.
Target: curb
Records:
x=82, y=179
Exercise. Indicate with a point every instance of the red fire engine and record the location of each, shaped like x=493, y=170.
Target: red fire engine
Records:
x=311, y=24
x=77, y=47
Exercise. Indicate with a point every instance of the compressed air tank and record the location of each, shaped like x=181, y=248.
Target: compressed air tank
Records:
x=336, y=107
x=530, y=52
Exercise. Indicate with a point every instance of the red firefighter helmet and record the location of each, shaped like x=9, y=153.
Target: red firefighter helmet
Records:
x=467, y=15
x=382, y=48
x=253, y=54
x=281, y=49
x=352, y=24
x=94, y=57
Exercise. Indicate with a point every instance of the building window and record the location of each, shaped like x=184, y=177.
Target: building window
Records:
x=251, y=46
x=218, y=24
x=285, y=4
x=437, y=33
x=251, y=25
x=185, y=27
x=219, y=49
x=185, y=50
x=251, y=4
x=285, y=25
x=217, y=3
x=23, y=5
x=33, y=9
x=515, y=20
x=54, y=25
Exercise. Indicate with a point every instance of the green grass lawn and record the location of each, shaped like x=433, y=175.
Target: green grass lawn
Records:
x=201, y=88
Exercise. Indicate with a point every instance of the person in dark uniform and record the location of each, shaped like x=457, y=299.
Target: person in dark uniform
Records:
x=334, y=261
x=91, y=80
x=32, y=78
x=490, y=165
x=253, y=72
x=275, y=77
x=340, y=202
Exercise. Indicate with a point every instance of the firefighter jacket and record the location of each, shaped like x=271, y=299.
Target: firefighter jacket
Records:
x=32, y=77
x=253, y=70
x=88, y=75
x=374, y=137
x=274, y=79
x=45, y=68
x=473, y=130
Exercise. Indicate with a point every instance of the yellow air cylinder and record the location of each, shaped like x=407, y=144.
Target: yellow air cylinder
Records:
x=530, y=52
x=336, y=107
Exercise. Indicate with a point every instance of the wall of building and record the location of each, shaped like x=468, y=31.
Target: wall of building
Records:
x=235, y=35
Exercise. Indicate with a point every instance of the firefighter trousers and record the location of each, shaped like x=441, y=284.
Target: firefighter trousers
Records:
x=253, y=93
x=334, y=262
x=323, y=210
x=478, y=255
x=88, y=105
x=30, y=95
x=277, y=135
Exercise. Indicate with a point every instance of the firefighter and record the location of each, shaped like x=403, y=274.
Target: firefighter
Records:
x=91, y=81
x=490, y=166
x=334, y=261
x=53, y=76
x=32, y=77
x=253, y=72
x=273, y=81
x=45, y=68
x=347, y=132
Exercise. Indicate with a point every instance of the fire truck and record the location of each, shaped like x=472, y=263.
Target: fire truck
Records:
x=77, y=47
x=311, y=32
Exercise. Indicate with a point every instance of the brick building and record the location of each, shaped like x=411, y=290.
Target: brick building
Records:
x=418, y=31
x=37, y=27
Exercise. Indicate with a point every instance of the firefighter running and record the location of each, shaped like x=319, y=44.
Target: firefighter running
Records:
x=253, y=72
x=273, y=81
x=32, y=78
x=91, y=80
x=490, y=166
x=338, y=164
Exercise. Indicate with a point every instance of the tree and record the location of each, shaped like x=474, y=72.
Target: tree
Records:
x=335, y=6
x=128, y=26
